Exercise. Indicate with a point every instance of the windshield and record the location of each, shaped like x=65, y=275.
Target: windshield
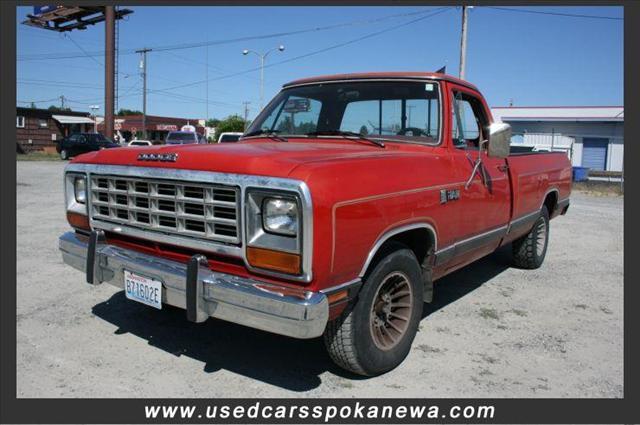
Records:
x=390, y=110
x=181, y=138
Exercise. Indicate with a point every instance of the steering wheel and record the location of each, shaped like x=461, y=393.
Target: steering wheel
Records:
x=415, y=131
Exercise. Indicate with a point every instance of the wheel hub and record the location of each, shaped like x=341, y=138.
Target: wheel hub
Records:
x=391, y=311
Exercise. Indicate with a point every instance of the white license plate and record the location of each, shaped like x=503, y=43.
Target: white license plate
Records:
x=143, y=289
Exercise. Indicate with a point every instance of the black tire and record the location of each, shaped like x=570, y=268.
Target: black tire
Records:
x=529, y=250
x=64, y=154
x=350, y=338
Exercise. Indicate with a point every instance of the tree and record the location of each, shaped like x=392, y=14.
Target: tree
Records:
x=213, y=122
x=57, y=108
x=363, y=130
x=124, y=112
x=231, y=124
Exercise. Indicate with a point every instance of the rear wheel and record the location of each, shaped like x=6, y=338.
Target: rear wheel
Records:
x=374, y=334
x=530, y=250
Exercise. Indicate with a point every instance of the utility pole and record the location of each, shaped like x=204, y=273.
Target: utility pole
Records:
x=463, y=41
x=109, y=69
x=62, y=102
x=206, y=76
x=246, y=115
x=143, y=65
x=69, y=18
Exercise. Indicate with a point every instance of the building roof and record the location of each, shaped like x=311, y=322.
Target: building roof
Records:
x=72, y=119
x=381, y=75
x=38, y=112
x=558, y=113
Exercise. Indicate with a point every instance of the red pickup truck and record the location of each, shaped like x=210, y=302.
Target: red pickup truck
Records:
x=344, y=202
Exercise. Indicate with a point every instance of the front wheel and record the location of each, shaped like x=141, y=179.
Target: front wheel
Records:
x=374, y=334
x=64, y=154
x=529, y=250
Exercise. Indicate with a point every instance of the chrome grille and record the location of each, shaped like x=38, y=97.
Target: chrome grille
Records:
x=183, y=208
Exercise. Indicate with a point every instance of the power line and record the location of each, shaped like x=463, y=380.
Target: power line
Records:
x=38, y=101
x=69, y=84
x=50, y=56
x=540, y=12
x=316, y=52
x=68, y=37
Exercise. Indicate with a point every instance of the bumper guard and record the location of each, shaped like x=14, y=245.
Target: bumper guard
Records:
x=201, y=291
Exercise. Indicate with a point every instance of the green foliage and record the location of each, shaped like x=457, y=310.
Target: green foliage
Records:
x=363, y=130
x=124, y=112
x=57, y=108
x=286, y=127
x=213, y=122
x=233, y=123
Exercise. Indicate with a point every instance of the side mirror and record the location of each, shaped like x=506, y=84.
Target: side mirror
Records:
x=499, y=143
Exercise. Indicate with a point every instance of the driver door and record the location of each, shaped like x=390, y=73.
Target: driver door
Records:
x=486, y=195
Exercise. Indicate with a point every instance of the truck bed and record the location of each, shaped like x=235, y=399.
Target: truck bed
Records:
x=534, y=175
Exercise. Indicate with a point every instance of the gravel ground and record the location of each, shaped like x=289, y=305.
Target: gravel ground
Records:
x=493, y=331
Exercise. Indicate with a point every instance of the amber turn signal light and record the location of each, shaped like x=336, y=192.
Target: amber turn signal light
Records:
x=79, y=221
x=274, y=260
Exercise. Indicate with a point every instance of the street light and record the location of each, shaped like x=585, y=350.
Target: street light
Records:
x=262, y=57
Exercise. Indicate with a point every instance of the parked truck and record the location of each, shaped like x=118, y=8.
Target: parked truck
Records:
x=337, y=212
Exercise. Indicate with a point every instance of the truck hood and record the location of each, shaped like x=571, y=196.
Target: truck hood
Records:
x=256, y=157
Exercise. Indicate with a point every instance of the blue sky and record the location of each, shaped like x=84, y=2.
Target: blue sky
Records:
x=534, y=59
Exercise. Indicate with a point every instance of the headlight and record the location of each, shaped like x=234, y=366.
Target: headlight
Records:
x=80, y=189
x=280, y=216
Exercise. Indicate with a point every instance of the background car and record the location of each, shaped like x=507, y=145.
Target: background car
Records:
x=79, y=143
x=140, y=143
x=229, y=137
x=184, y=138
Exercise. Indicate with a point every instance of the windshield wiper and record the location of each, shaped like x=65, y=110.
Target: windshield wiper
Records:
x=271, y=134
x=346, y=135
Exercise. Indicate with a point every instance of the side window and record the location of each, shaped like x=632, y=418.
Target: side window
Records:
x=73, y=138
x=467, y=122
x=20, y=121
x=81, y=139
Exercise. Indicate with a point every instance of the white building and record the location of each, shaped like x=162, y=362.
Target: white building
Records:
x=592, y=136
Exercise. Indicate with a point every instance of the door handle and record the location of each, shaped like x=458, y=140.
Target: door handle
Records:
x=502, y=168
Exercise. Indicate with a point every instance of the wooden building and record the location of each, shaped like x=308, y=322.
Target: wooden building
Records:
x=40, y=129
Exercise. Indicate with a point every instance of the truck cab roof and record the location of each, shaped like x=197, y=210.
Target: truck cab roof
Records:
x=380, y=76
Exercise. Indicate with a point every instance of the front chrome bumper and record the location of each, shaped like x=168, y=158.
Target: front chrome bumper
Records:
x=202, y=291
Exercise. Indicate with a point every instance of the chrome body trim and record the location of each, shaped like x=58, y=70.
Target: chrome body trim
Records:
x=553, y=189
x=242, y=181
x=345, y=285
x=386, y=236
x=522, y=220
x=375, y=78
x=463, y=246
x=235, y=299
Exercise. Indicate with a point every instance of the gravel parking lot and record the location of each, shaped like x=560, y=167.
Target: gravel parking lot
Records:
x=493, y=331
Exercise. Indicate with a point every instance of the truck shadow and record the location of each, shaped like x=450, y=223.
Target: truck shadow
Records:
x=289, y=363
x=461, y=282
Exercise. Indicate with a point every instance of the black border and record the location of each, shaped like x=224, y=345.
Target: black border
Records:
x=13, y=410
